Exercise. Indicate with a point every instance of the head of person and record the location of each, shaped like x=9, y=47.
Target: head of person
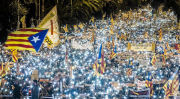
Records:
x=35, y=82
x=16, y=82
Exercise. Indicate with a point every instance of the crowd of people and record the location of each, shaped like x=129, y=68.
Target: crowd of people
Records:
x=79, y=81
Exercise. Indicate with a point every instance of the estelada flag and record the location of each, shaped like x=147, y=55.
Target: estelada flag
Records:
x=101, y=57
x=171, y=87
x=26, y=39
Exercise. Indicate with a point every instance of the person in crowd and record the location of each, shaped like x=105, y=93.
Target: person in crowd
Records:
x=35, y=90
x=50, y=91
x=16, y=91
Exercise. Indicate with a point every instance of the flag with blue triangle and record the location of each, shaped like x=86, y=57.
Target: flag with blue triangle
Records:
x=37, y=39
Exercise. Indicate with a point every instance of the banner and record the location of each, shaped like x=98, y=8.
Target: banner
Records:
x=139, y=94
x=50, y=21
x=141, y=47
x=141, y=85
x=77, y=45
x=34, y=75
x=144, y=62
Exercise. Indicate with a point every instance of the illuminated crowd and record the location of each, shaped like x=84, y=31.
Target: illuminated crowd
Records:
x=51, y=64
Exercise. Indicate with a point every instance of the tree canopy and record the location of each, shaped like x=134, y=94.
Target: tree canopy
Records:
x=79, y=11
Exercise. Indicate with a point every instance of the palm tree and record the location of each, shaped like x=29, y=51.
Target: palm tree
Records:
x=82, y=10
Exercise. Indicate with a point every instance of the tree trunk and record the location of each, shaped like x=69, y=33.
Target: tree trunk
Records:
x=36, y=11
x=42, y=9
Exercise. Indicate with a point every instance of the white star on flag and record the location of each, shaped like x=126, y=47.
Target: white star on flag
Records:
x=35, y=39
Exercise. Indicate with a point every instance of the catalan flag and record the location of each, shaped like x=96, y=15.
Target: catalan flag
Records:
x=66, y=56
x=26, y=39
x=101, y=56
x=167, y=45
x=96, y=67
x=122, y=35
x=100, y=49
x=125, y=37
x=160, y=35
x=177, y=38
x=23, y=21
x=149, y=83
x=75, y=26
x=153, y=60
x=112, y=42
x=129, y=71
x=108, y=45
x=1, y=67
x=92, y=19
x=111, y=31
x=146, y=35
x=112, y=22
x=92, y=38
x=113, y=53
x=80, y=25
x=6, y=68
x=14, y=55
x=172, y=85
x=103, y=17
x=65, y=29
x=119, y=33
x=148, y=79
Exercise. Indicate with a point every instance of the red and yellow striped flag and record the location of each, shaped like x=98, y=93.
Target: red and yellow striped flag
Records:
x=153, y=60
x=14, y=55
x=172, y=85
x=96, y=67
x=177, y=38
x=103, y=63
x=113, y=53
x=146, y=35
x=122, y=35
x=151, y=88
x=108, y=45
x=92, y=19
x=26, y=39
x=80, y=25
x=1, y=67
x=112, y=42
x=65, y=28
x=129, y=72
x=160, y=35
